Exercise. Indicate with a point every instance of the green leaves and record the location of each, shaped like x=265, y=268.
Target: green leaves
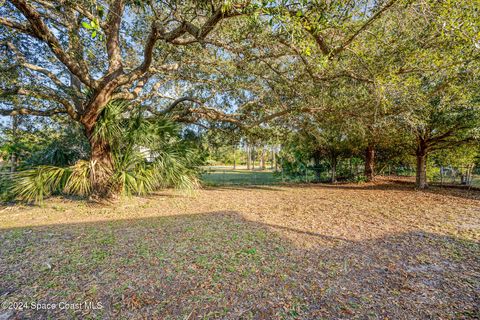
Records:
x=308, y=51
x=101, y=11
x=148, y=153
x=86, y=25
x=92, y=26
x=35, y=184
x=95, y=24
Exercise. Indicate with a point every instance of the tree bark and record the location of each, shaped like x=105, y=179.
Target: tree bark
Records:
x=102, y=167
x=262, y=160
x=333, y=178
x=421, y=175
x=13, y=162
x=13, y=157
x=249, y=157
x=234, y=157
x=253, y=155
x=370, y=163
x=274, y=160
x=316, y=161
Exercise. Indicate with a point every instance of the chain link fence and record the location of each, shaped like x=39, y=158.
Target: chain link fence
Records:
x=223, y=175
x=444, y=175
x=466, y=175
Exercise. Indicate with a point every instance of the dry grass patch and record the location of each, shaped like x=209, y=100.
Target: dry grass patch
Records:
x=374, y=251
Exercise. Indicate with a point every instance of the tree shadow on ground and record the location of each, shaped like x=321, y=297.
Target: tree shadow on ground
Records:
x=220, y=265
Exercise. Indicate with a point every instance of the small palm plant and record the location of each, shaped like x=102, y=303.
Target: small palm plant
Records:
x=148, y=154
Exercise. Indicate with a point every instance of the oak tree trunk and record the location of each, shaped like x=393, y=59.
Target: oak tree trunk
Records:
x=13, y=157
x=318, y=172
x=101, y=157
x=370, y=163
x=334, y=169
x=102, y=167
x=262, y=160
x=234, y=158
x=421, y=176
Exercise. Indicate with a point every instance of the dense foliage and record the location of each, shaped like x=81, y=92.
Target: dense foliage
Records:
x=115, y=95
x=149, y=154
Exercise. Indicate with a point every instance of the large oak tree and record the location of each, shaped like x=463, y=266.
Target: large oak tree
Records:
x=77, y=56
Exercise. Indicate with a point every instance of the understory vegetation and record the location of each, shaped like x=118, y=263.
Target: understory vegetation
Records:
x=239, y=159
x=107, y=98
x=149, y=154
x=295, y=252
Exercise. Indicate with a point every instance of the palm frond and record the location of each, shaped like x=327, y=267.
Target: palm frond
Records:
x=79, y=180
x=172, y=163
x=35, y=184
x=111, y=124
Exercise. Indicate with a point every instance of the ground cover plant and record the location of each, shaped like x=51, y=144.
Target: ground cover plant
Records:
x=239, y=159
x=378, y=250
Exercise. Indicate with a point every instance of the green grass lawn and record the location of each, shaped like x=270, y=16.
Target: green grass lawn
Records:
x=220, y=176
x=225, y=176
x=476, y=180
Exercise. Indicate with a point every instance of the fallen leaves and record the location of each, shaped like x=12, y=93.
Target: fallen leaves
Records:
x=380, y=250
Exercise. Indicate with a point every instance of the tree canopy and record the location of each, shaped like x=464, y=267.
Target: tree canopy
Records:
x=349, y=77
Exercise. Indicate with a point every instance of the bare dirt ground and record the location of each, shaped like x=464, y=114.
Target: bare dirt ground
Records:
x=354, y=251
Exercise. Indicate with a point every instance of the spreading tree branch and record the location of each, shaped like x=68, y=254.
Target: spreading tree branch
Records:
x=42, y=32
x=43, y=93
x=374, y=17
x=112, y=32
x=31, y=112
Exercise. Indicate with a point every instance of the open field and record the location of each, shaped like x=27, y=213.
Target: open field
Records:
x=227, y=176
x=220, y=176
x=367, y=251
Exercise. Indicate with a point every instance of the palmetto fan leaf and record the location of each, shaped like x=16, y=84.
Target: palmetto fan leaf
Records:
x=78, y=182
x=168, y=165
x=148, y=154
x=112, y=123
x=38, y=183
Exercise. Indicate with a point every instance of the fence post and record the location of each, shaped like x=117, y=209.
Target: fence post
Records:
x=306, y=175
